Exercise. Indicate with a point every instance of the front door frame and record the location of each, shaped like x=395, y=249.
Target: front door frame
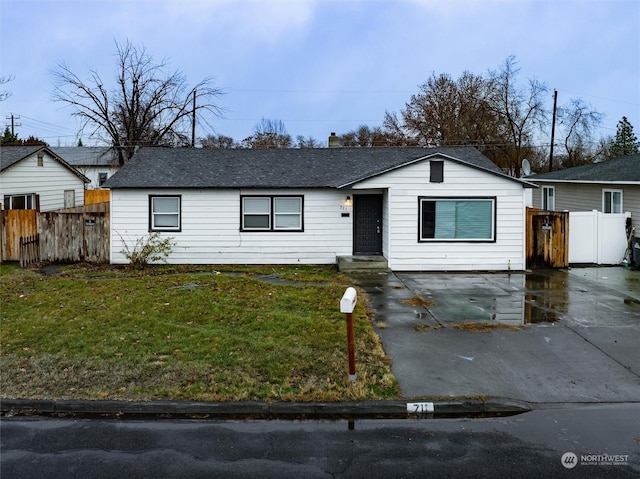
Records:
x=367, y=236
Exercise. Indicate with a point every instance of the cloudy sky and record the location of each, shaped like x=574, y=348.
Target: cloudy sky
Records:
x=321, y=65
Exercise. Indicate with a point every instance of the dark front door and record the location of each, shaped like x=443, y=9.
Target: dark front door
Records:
x=367, y=224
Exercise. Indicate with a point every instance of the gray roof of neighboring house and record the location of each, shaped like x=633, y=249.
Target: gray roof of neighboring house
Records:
x=278, y=168
x=10, y=155
x=625, y=169
x=87, y=155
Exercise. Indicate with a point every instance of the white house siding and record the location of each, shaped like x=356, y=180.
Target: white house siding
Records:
x=93, y=173
x=49, y=181
x=405, y=253
x=588, y=197
x=211, y=228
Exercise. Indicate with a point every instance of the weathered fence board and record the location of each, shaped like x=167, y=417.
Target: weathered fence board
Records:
x=92, y=208
x=72, y=237
x=29, y=250
x=547, y=239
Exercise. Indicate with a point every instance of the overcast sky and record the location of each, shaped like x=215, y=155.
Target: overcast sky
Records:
x=321, y=65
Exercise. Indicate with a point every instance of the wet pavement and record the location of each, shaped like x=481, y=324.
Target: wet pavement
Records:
x=544, y=336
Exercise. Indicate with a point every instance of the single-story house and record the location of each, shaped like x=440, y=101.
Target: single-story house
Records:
x=36, y=178
x=423, y=209
x=611, y=186
x=97, y=163
x=600, y=198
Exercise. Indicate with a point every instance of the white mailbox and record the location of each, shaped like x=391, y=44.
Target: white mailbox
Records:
x=348, y=301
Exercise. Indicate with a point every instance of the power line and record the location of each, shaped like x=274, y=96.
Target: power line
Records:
x=12, y=117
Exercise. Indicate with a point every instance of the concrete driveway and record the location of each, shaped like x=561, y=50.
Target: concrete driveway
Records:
x=553, y=336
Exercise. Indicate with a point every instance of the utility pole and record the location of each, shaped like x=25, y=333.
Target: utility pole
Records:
x=13, y=123
x=553, y=128
x=193, y=122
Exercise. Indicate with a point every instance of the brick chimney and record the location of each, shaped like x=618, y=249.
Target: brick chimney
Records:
x=334, y=142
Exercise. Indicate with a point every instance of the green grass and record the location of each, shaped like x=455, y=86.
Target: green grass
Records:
x=185, y=332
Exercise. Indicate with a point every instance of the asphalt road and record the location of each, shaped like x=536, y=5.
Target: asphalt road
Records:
x=599, y=441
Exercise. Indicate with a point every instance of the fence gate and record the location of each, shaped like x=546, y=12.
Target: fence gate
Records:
x=16, y=224
x=547, y=239
x=76, y=234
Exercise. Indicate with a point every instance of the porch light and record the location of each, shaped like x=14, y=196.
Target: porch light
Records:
x=347, y=201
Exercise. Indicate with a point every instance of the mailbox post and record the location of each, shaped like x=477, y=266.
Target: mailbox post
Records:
x=347, y=305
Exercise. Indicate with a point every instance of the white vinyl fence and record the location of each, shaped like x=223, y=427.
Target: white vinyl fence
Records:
x=596, y=237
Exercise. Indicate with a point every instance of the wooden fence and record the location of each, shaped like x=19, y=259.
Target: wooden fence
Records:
x=17, y=224
x=547, y=239
x=75, y=234
x=29, y=250
x=69, y=236
x=96, y=196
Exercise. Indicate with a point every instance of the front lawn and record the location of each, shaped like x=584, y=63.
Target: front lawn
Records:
x=169, y=332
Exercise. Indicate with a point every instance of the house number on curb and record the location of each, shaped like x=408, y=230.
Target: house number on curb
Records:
x=419, y=407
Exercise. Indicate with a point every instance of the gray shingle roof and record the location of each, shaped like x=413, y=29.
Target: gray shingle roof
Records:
x=623, y=169
x=10, y=155
x=276, y=168
x=87, y=155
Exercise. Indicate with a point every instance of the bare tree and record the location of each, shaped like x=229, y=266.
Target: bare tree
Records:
x=308, y=142
x=149, y=106
x=448, y=112
x=578, y=121
x=396, y=132
x=268, y=134
x=218, y=141
x=520, y=113
x=4, y=94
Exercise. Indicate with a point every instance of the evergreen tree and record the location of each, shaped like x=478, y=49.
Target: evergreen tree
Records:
x=8, y=138
x=625, y=143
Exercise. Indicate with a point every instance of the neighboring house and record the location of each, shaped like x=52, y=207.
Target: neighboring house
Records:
x=611, y=186
x=35, y=178
x=437, y=209
x=98, y=163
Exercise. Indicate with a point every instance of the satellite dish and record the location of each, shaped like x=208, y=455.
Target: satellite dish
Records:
x=526, y=167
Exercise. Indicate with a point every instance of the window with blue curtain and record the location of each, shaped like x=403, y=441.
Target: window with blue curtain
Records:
x=457, y=219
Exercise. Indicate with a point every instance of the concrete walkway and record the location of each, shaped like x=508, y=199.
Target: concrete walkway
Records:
x=557, y=336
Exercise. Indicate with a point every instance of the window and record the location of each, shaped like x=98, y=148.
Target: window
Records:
x=612, y=201
x=102, y=177
x=437, y=171
x=69, y=198
x=164, y=213
x=456, y=219
x=20, y=202
x=271, y=213
x=548, y=198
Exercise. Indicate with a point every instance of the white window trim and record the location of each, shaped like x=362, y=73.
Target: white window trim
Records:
x=545, y=198
x=152, y=214
x=612, y=191
x=28, y=198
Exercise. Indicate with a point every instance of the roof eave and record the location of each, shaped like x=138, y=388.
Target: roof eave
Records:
x=612, y=182
x=524, y=183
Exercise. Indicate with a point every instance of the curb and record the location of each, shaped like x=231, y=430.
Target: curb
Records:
x=489, y=407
